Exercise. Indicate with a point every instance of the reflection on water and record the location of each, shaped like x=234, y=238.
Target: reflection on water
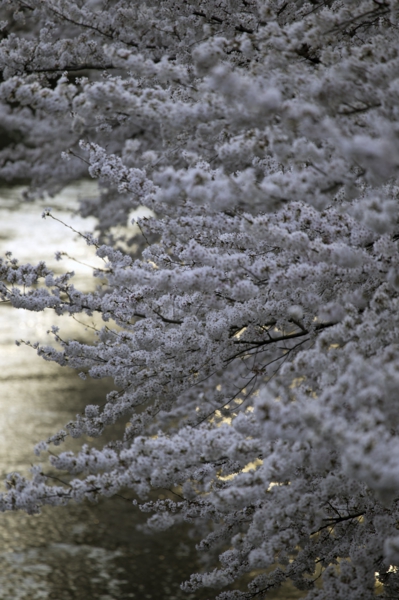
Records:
x=31, y=238
x=79, y=552
x=30, y=573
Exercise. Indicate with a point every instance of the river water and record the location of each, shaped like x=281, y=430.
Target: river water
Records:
x=79, y=552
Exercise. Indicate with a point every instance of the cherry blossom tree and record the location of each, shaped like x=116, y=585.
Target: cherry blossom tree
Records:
x=252, y=331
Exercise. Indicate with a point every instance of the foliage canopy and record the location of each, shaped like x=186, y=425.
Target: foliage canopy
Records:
x=252, y=331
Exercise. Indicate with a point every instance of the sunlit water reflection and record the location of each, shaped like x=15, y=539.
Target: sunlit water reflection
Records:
x=79, y=552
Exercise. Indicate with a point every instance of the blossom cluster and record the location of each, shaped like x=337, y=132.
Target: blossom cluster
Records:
x=252, y=329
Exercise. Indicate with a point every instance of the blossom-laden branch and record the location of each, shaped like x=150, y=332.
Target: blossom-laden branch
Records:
x=250, y=321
